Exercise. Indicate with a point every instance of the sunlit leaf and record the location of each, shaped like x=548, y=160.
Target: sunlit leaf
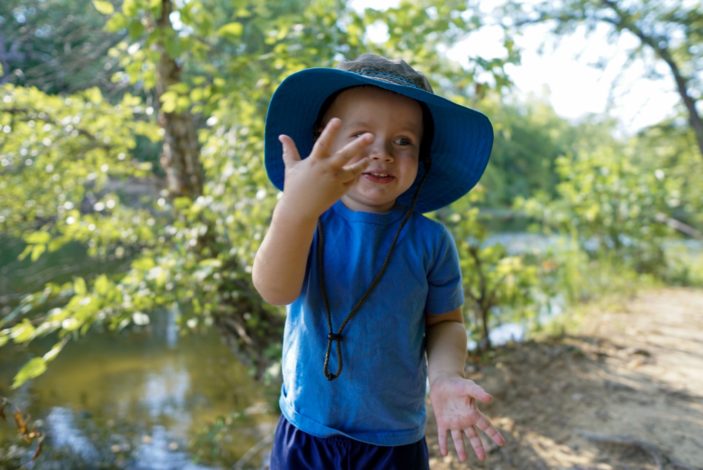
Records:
x=37, y=251
x=231, y=29
x=22, y=332
x=79, y=286
x=168, y=101
x=104, y=7
x=38, y=238
x=102, y=284
x=33, y=368
x=54, y=351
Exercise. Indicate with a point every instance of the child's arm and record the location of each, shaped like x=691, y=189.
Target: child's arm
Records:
x=454, y=398
x=311, y=186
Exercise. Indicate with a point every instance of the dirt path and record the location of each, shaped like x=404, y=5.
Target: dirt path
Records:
x=625, y=393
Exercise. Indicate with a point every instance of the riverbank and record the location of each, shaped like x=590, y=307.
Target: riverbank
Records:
x=622, y=390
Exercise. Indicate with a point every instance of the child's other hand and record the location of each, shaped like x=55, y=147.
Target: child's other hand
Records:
x=313, y=184
x=454, y=401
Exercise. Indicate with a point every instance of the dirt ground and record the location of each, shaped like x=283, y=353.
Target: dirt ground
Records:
x=626, y=392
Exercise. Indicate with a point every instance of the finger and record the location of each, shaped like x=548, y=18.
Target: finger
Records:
x=351, y=172
x=290, y=152
x=442, y=438
x=323, y=144
x=476, y=391
x=484, y=425
x=353, y=149
x=476, y=442
x=458, y=438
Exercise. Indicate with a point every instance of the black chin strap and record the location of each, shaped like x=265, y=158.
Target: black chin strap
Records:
x=336, y=337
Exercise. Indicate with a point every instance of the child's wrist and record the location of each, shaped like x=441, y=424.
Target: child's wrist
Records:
x=290, y=212
x=448, y=374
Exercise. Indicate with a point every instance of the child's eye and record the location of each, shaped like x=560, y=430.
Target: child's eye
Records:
x=404, y=141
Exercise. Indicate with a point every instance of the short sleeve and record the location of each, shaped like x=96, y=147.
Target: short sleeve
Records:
x=445, y=292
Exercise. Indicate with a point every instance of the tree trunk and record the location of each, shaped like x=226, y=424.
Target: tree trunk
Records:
x=485, y=341
x=180, y=156
x=694, y=119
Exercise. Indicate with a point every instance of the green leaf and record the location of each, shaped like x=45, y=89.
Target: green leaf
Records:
x=79, y=286
x=173, y=45
x=102, y=285
x=135, y=29
x=33, y=368
x=22, y=332
x=55, y=350
x=155, y=7
x=231, y=29
x=168, y=101
x=130, y=8
x=116, y=23
x=26, y=252
x=104, y=7
x=37, y=238
x=37, y=251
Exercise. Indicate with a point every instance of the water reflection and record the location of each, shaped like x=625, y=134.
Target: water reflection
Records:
x=165, y=392
x=158, y=452
x=64, y=434
x=138, y=400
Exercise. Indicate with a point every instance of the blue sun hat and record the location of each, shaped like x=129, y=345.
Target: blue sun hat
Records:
x=461, y=137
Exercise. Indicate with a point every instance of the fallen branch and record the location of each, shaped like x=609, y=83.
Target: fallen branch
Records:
x=678, y=226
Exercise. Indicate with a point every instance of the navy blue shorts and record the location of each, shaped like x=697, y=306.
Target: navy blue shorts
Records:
x=296, y=450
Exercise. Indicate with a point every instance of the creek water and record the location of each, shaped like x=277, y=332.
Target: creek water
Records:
x=146, y=399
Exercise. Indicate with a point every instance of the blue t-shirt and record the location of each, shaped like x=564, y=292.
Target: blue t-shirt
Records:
x=379, y=398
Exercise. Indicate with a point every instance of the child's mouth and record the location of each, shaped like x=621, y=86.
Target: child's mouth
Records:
x=378, y=177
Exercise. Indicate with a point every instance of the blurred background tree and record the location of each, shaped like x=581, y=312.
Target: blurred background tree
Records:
x=55, y=46
x=667, y=33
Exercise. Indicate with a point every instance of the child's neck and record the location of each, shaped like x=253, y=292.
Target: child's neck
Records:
x=358, y=207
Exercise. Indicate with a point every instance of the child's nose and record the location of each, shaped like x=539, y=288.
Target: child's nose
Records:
x=380, y=151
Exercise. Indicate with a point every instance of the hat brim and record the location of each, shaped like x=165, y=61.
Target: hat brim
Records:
x=460, y=148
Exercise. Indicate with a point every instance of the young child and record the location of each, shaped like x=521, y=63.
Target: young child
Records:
x=373, y=287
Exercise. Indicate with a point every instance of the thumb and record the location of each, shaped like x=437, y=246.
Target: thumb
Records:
x=290, y=152
x=477, y=392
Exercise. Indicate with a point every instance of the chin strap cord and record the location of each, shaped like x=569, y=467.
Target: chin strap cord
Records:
x=336, y=337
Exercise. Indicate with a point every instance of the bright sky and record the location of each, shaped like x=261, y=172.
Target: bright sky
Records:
x=565, y=74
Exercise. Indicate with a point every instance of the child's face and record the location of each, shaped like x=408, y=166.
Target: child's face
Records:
x=396, y=124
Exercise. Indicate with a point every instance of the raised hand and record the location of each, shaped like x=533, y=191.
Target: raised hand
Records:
x=313, y=184
x=454, y=401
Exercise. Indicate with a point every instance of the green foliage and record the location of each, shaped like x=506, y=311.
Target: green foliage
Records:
x=670, y=147
x=497, y=286
x=610, y=207
x=528, y=140
x=568, y=273
x=54, y=45
x=58, y=155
